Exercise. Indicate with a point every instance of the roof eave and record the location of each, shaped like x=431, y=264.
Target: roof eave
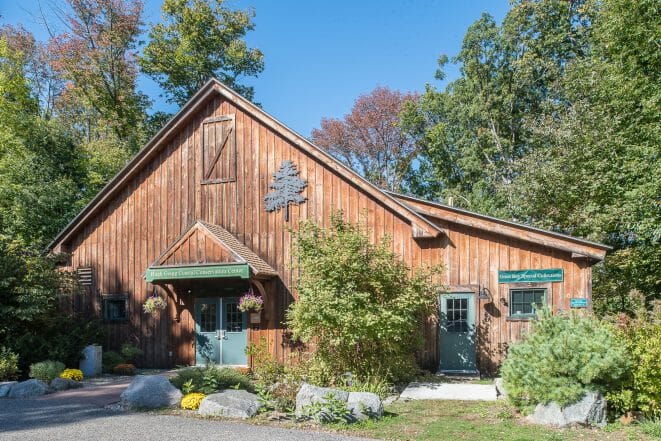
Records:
x=600, y=249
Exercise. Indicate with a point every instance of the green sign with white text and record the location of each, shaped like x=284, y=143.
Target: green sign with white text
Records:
x=531, y=276
x=197, y=272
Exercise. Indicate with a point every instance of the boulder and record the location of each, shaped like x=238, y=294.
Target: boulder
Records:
x=588, y=411
x=364, y=405
x=230, y=403
x=150, y=392
x=28, y=389
x=5, y=387
x=500, y=388
x=309, y=394
x=59, y=384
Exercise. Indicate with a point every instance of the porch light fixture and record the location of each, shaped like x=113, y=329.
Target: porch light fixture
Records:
x=485, y=294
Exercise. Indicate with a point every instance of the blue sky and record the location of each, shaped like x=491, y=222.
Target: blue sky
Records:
x=320, y=56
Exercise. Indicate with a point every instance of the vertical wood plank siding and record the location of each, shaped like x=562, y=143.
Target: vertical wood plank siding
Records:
x=164, y=198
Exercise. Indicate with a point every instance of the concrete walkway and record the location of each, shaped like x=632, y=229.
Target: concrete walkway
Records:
x=91, y=395
x=449, y=391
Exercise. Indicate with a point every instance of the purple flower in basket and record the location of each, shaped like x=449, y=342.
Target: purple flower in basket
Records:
x=250, y=301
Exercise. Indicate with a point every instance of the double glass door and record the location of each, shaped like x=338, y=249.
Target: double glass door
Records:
x=221, y=332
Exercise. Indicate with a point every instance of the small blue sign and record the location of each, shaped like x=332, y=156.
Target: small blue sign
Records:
x=580, y=302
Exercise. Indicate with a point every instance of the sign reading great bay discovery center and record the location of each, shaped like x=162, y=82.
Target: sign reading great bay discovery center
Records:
x=531, y=276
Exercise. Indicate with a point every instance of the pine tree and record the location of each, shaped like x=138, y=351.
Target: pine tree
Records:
x=286, y=187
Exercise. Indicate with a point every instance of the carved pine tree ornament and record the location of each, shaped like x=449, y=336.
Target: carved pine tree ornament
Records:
x=286, y=189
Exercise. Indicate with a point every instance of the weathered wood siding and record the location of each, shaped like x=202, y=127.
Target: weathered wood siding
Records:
x=473, y=258
x=164, y=198
x=161, y=200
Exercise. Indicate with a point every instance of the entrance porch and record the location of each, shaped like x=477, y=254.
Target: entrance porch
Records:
x=203, y=274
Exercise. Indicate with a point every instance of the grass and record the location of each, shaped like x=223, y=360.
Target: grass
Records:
x=469, y=420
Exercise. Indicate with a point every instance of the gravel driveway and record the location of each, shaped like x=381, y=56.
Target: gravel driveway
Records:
x=63, y=419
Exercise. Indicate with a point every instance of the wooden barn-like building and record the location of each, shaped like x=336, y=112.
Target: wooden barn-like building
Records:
x=186, y=219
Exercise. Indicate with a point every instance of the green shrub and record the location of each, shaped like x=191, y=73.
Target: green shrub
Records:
x=58, y=338
x=640, y=389
x=131, y=352
x=358, y=303
x=8, y=365
x=266, y=370
x=110, y=359
x=46, y=370
x=210, y=379
x=561, y=358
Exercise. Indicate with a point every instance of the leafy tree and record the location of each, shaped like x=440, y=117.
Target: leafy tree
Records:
x=358, y=303
x=30, y=293
x=40, y=169
x=595, y=170
x=370, y=138
x=43, y=81
x=198, y=40
x=96, y=56
x=554, y=122
x=473, y=132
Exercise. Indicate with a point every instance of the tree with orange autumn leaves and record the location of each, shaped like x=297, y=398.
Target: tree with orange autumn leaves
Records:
x=370, y=139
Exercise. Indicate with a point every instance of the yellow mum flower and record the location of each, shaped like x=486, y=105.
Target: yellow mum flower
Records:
x=72, y=374
x=192, y=401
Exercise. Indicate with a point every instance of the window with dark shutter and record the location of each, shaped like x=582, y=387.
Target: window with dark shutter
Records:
x=115, y=307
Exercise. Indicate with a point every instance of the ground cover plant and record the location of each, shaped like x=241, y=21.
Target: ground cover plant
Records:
x=562, y=357
x=210, y=379
x=358, y=306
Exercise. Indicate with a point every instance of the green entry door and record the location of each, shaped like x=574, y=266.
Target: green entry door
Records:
x=221, y=333
x=457, y=333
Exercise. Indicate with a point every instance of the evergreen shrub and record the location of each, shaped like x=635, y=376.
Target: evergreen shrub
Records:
x=562, y=357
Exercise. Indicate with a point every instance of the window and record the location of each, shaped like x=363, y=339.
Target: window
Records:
x=522, y=300
x=233, y=317
x=116, y=307
x=208, y=314
x=457, y=315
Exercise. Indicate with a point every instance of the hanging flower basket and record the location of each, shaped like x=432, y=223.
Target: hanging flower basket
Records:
x=251, y=302
x=154, y=305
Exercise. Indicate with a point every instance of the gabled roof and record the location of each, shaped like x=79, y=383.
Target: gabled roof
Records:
x=239, y=252
x=421, y=226
x=577, y=246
